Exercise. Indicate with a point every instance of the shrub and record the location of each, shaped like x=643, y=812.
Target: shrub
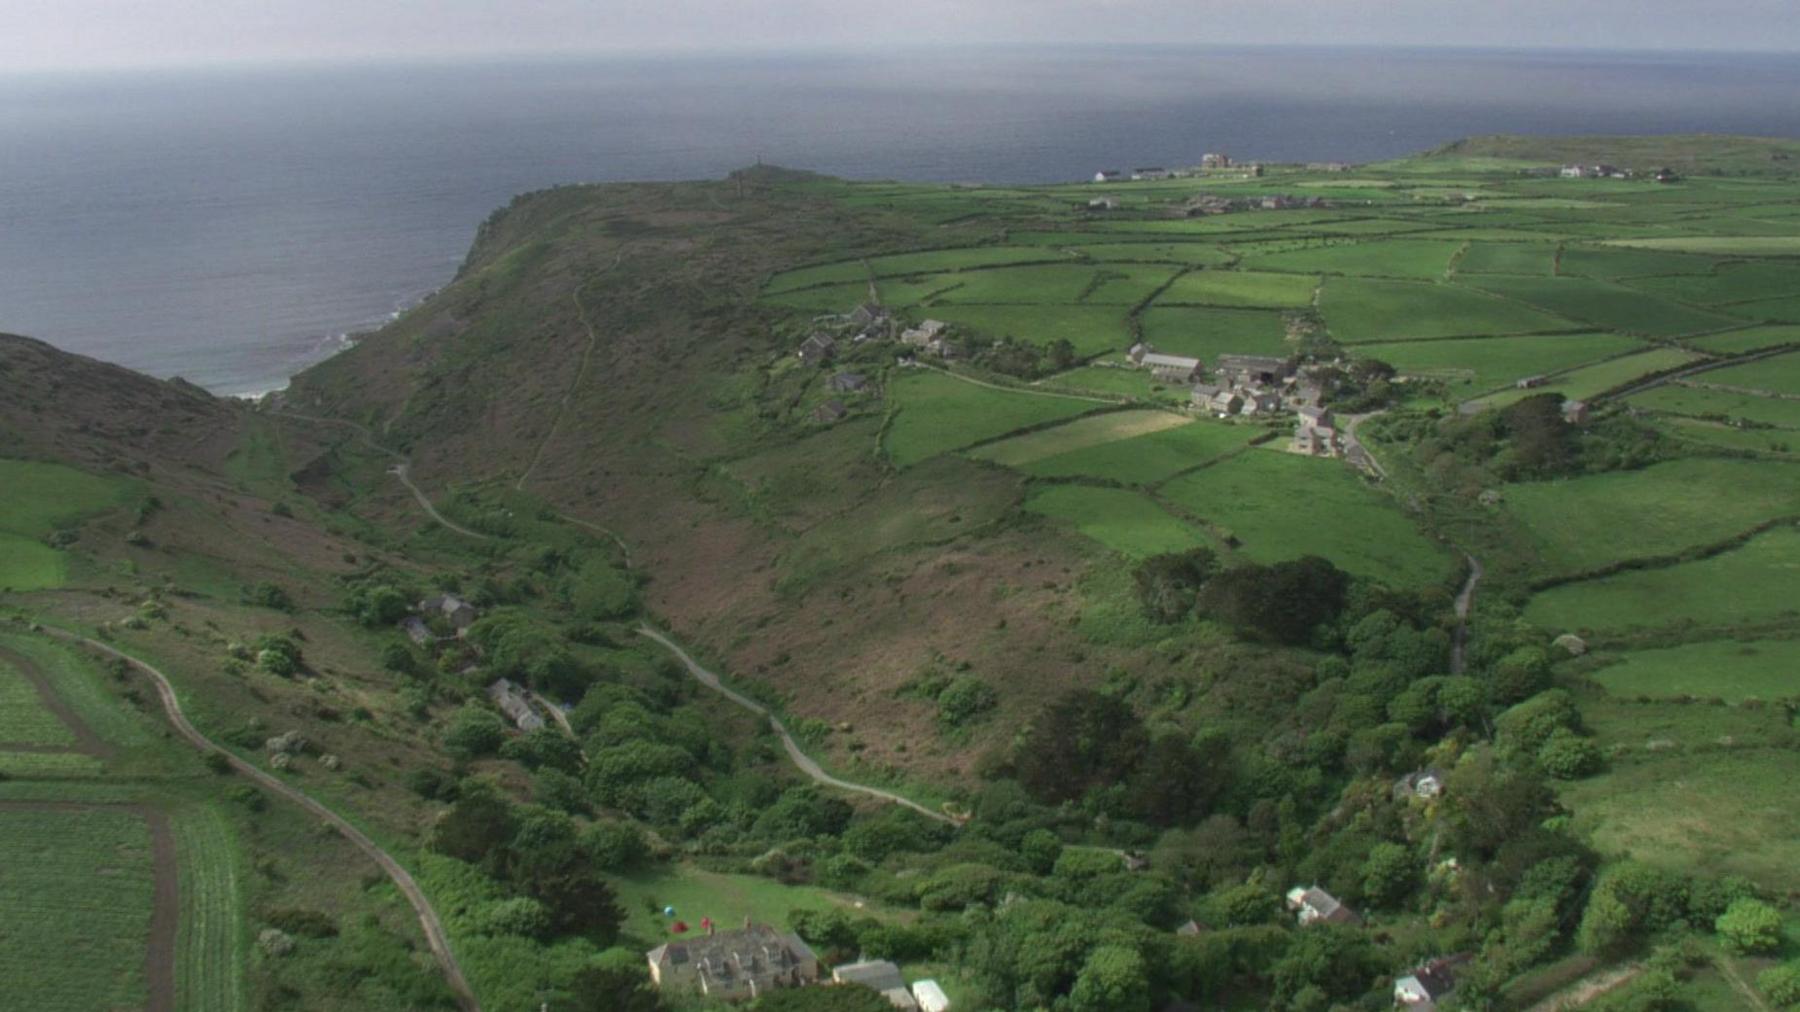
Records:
x=474, y=732
x=1781, y=984
x=1568, y=756
x=1749, y=927
x=965, y=700
x=304, y=923
x=269, y=595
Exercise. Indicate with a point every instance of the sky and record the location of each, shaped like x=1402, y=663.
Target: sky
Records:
x=80, y=34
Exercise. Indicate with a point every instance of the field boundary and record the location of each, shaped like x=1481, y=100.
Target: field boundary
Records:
x=1695, y=554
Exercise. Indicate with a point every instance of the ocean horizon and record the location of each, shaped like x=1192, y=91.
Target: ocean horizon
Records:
x=235, y=225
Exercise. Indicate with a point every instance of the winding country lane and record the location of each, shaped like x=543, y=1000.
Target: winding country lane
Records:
x=804, y=762
x=435, y=935
x=1465, y=601
x=400, y=471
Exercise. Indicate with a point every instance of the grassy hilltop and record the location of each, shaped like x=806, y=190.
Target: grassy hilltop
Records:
x=1024, y=585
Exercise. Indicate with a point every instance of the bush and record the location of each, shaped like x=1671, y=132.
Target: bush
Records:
x=1568, y=756
x=269, y=595
x=1781, y=984
x=965, y=700
x=519, y=915
x=304, y=923
x=474, y=732
x=1749, y=927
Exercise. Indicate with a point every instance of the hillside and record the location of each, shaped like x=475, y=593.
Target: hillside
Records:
x=1692, y=154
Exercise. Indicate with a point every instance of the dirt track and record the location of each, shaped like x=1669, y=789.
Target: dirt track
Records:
x=433, y=927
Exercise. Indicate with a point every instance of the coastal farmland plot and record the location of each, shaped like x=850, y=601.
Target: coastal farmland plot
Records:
x=936, y=413
x=1536, y=259
x=1093, y=330
x=1757, y=582
x=1484, y=363
x=1603, y=304
x=1361, y=310
x=36, y=500
x=1240, y=288
x=1094, y=430
x=1125, y=521
x=1206, y=334
x=1730, y=669
x=1396, y=258
x=1147, y=458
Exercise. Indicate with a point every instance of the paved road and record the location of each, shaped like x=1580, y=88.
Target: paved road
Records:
x=800, y=759
x=435, y=935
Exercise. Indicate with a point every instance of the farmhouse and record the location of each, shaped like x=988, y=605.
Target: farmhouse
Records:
x=1420, y=990
x=512, y=701
x=734, y=964
x=1150, y=174
x=925, y=334
x=1575, y=412
x=878, y=975
x=1425, y=784
x=1318, y=440
x=1108, y=176
x=416, y=630
x=817, y=349
x=1528, y=382
x=867, y=313
x=1573, y=171
x=1246, y=370
x=1192, y=927
x=1172, y=368
x=1259, y=401
x=1215, y=161
x=930, y=996
x=847, y=382
x=456, y=611
x=1103, y=204
x=1313, y=905
x=831, y=411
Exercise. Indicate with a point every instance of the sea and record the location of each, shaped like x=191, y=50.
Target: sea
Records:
x=234, y=225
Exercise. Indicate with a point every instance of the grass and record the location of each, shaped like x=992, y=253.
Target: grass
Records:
x=1585, y=523
x=49, y=764
x=1603, y=304
x=210, y=953
x=1683, y=400
x=1095, y=430
x=1780, y=374
x=1719, y=245
x=37, y=499
x=1240, y=288
x=1396, y=258
x=1732, y=670
x=76, y=888
x=1191, y=253
x=1750, y=339
x=1362, y=310
x=1757, y=582
x=1592, y=380
x=82, y=686
x=939, y=413
x=1613, y=262
x=727, y=899
x=1732, y=282
x=24, y=720
x=1125, y=521
x=1283, y=506
x=1147, y=458
x=1487, y=362
x=1712, y=812
x=1113, y=380
x=1093, y=330
x=1783, y=310
x=1206, y=334
x=1531, y=258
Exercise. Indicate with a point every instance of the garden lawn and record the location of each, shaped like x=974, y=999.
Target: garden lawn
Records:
x=1397, y=258
x=1488, y=362
x=1093, y=430
x=938, y=413
x=1240, y=288
x=1361, y=310
x=1093, y=330
x=1607, y=305
x=1757, y=582
x=1282, y=506
x=1534, y=258
x=1148, y=458
x=1732, y=670
x=1585, y=523
x=76, y=887
x=727, y=899
x=1125, y=521
x=1206, y=334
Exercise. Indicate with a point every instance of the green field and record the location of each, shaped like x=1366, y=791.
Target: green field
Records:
x=1054, y=283
x=37, y=499
x=1732, y=670
x=1592, y=380
x=1682, y=400
x=1093, y=330
x=939, y=413
x=1507, y=258
x=210, y=954
x=1726, y=245
x=1147, y=458
x=1613, y=262
x=1240, y=288
x=1396, y=258
x=1584, y=523
x=1206, y=334
x=1607, y=305
x=1113, y=380
x=1783, y=310
x=80, y=685
x=1125, y=521
x=1757, y=582
x=1282, y=506
x=76, y=888
x=24, y=720
x=727, y=899
x=1483, y=363
x=1779, y=374
x=1721, y=813
x=1193, y=253
x=1732, y=282
x=1360, y=310
x=1749, y=339
x=1094, y=430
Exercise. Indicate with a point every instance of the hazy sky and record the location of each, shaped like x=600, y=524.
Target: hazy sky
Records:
x=86, y=33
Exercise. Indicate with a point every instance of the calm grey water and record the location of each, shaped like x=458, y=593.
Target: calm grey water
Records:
x=231, y=226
